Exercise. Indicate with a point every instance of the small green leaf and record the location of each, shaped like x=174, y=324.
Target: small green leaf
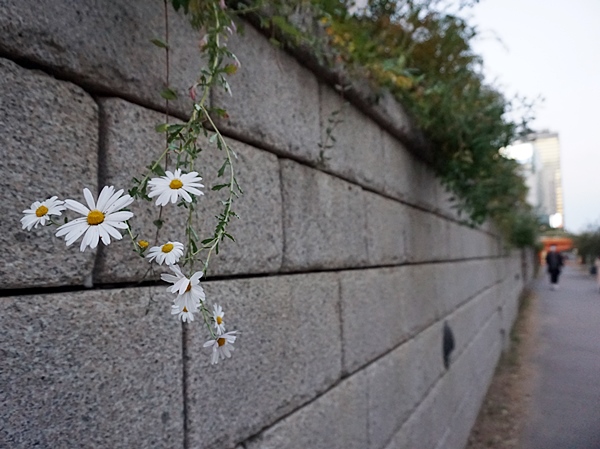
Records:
x=222, y=169
x=206, y=241
x=158, y=223
x=219, y=186
x=161, y=128
x=159, y=43
x=157, y=169
x=229, y=236
x=175, y=128
x=168, y=94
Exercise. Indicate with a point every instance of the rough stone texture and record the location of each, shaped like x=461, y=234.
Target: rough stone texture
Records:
x=392, y=393
x=458, y=394
x=387, y=230
x=288, y=351
x=48, y=147
x=107, y=47
x=357, y=152
x=467, y=386
x=130, y=144
x=388, y=107
x=336, y=419
x=92, y=369
x=459, y=281
x=424, y=308
x=424, y=242
x=275, y=102
x=324, y=220
x=374, y=318
x=406, y=178
x=468, y=319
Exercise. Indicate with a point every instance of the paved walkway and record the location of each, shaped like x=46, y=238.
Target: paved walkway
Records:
x=565, y=407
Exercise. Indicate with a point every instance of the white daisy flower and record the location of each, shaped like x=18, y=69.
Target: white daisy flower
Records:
x=185, y=314
x=101, y=220
x=222, y=346
x=169, y=253
x=218, y=317
x=184, y=286
x=187, y=302
x=39, y=213
x=171, y=187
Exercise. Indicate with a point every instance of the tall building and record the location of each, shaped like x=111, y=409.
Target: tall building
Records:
x=539, y=155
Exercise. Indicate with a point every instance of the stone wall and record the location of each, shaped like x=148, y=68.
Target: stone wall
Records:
x=345, y=270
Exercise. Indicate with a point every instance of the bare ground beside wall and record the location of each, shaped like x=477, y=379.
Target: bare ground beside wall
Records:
x=345, y=270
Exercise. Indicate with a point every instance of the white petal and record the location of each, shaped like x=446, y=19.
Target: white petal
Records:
x=120, y=203
x=192, y=190
x=104, y=236
x=89, y=198
x=117, y=224
x=77, y=207
x=105, y=195
x=169, y=278
x=119, y=216
x=163, y=199
x=112, y=231
x=186, y=196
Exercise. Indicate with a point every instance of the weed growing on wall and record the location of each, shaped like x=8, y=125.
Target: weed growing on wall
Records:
x=172, y=180
x=420, y=51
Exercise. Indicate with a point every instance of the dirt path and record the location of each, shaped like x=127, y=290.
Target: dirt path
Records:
x=502, y=415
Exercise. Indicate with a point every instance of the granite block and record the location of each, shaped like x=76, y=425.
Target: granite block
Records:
x=288, y=351
x=427, y=352
x=48, y=148
x=468, y=319
x=130, y=144
x=336, y=420
x=107, y=47
x=406, y=177
x=374, y=318
x=387, y=230
x=432, y=423
x=356, y=151
x=422, y=240
x=93, y=369
x=274, y=102
x=324, y=220
x=392, y=392
x=424, y=307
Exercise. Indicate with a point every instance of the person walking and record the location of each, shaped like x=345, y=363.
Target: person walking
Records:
x=554, y=262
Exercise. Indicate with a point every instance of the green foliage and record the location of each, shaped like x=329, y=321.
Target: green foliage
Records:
x=420, y=50
x=422, y=53
x=588, y=243
x=523, y=228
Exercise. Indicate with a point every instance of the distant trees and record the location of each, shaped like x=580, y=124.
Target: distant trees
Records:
x=588, y=244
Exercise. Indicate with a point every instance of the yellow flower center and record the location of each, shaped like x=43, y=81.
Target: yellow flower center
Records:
x=176, y=184
x=189, y=287
x=143, y=243
x=221, y=341
x=185, y=309
x=167, y=248
x=95, y=217
x=219, y=320
x=41, y=211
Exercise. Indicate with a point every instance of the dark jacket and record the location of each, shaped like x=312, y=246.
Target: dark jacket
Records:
x=554, y=261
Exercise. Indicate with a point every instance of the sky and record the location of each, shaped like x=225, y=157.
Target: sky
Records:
x=551, y=49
